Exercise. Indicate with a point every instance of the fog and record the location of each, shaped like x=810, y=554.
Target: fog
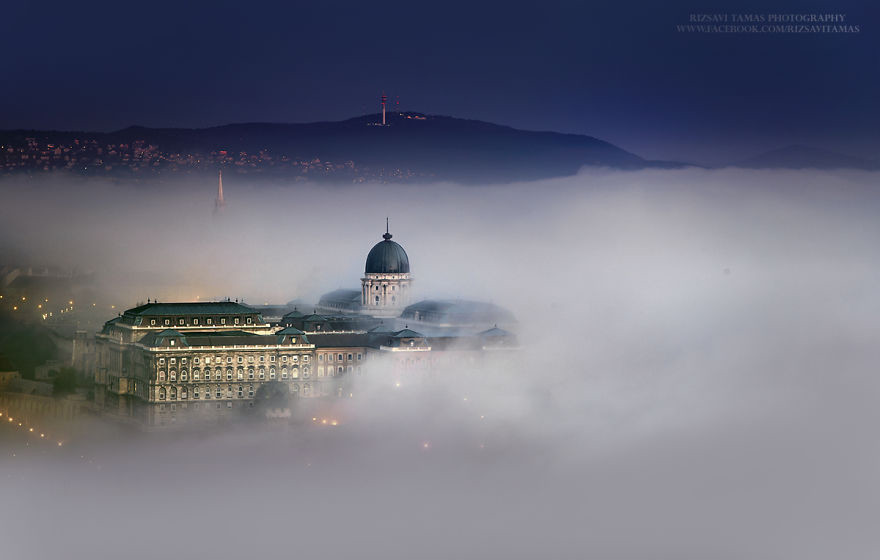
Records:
x=697, y=376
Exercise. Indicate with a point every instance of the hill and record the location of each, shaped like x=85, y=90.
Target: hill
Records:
x=412, y=146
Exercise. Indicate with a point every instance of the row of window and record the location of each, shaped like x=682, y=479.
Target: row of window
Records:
x=173, y=394
x=239, y=374
x=339, y=357
x=240, y=359
x=208, y=321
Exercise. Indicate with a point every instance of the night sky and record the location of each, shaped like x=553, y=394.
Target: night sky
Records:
x=616, y=70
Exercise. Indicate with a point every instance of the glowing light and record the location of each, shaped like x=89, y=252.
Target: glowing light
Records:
x=314, y=419
x=42, y=435
x=23, y=298
x=15, y=308
x=70, y=302
x=324, y=421
x=32, y=429
x=333, y=423
x=426, y=445
x=397, y=384
x=59, y=444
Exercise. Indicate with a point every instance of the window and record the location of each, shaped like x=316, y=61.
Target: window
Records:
x=339, y=357
x=209, y=320
x=251, y=391
x=251, y=373
x=195, y=360
x=207, y=392
x=152, y=321
x=173, y=360
x=172, y=342
x=173, y=375
x=248, y=320
x=167, y=322
x=229, y=374
x=239, y=374
x=223, y=321
x=295, y=359
x=349, y=369
x=377, y=298
x=250, y=359
x=240, y=360
x=162, y=393
x=284, y=373
x=240, y=391
x=228, y=359
x=321, y=371
x=236, y=320
x=284, y=358
x=173, y=395
x=229, y=392
x=329, y=357
x=272, y=373
x=306, y=371
x=262, y=359
x=180, y=321
x=161, y=360
x=271, y=358
x=196, y=375
x=161, y=376
x=218, y=375
x=218, y=393
x=349, y=356
x=262, y=373
x=339, y=371
x=359, y=357
x=294, y=372
x=183, y=393
x=183, y=360
x=320, y=357
x=195, y=322
x=183, y=375
x=306, y=359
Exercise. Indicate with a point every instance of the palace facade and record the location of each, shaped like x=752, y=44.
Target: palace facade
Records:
x=214, y=359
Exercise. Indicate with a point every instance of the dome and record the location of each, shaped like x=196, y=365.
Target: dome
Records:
x=387, y=257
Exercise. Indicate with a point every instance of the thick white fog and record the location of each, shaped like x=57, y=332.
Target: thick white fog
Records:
x=697, y=378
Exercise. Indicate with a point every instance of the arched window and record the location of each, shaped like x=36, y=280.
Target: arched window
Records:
x=272, y=372
x=339, y=370
x=229, y=374
x=239, y=374
x=262, y=373
x=250, y=373
x=183, y=375
x=183, y=393
x=294, y=372
x=161, y=393
x=284, y=373
x=377, y=298
x=161, y=376
x=196, y=375
x=174, y=393
x=172, y=375
x=306, y=389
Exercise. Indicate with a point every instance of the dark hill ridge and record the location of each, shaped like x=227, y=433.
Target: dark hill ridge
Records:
x=432, y=146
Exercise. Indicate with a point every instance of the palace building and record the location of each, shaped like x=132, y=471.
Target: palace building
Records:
x=214, y=359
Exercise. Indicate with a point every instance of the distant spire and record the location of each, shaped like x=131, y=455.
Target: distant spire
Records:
x=219, y=203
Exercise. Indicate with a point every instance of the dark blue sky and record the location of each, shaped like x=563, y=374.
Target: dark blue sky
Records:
x=616, y=70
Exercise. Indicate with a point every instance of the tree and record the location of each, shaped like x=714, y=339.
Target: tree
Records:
x=65, y=382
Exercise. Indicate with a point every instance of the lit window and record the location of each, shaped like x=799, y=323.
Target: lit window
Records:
x=209, y=321
x=173, y=360
x=250, y=359
x=195, y=322
x=223, y=321
x=180, y=321
x=294, y=372
x=167, y=321
x=152, y=321
x=236, y=320
x=161, y=360
x=248, y=320
x=173, y=375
